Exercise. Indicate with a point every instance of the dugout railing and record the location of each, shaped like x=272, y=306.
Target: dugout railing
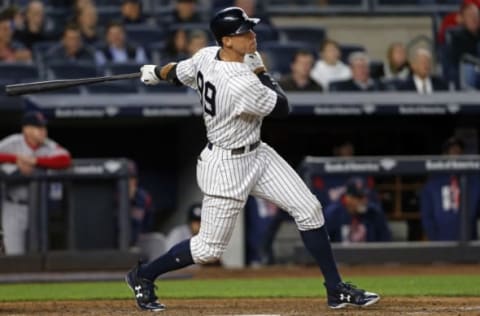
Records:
x=462, y=250
x=96, y=216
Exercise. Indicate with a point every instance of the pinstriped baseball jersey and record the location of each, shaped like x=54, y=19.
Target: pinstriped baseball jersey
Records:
x=233, y=98
x=235, y=102
x=16, y=144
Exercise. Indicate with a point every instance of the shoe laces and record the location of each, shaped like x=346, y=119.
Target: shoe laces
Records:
x=352, y=289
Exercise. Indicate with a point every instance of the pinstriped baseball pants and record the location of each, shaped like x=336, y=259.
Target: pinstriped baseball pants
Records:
x=226, y=180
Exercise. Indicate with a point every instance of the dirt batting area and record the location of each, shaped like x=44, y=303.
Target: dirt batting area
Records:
x=264, y=307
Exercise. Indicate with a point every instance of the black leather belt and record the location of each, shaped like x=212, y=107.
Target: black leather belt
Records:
x=240, y=150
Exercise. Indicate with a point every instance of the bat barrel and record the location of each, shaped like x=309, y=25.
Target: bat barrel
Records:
x=43, y=86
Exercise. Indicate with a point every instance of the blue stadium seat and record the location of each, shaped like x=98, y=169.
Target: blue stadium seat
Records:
x=347, y=49
x=113, y=87
x=106, y=14
x=266, y=33
x=376, y=69
x=72, y=70
x=164, y=87
x=145, y=34
x=313, y=35
x=17, y=73
x=122, y=68
x=279, y=56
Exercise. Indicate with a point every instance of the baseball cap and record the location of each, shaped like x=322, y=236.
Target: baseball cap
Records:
x=194, y=212
x=356, y=188
x=34, y=119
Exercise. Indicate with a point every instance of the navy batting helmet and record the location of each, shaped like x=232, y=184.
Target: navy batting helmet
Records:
x=231, y=21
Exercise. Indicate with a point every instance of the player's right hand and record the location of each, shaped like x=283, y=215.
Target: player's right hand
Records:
x=148, y=75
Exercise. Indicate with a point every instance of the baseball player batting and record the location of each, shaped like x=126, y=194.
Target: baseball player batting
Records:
x=236, y=93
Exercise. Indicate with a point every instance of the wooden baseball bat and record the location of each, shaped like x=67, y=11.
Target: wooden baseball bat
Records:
x=41, y=86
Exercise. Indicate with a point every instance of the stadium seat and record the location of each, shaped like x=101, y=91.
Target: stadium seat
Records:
x=312, y=35
x=122, y=68
x=376, y=69
x=347, y=49
x=164, y=87
x=109, y=13
x=128, y=86
x=16, y=73
x=145, y=34
x=265, y=33
x=71, y=70
x=279, y=56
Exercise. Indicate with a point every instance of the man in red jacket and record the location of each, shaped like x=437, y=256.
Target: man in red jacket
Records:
x=26, y=151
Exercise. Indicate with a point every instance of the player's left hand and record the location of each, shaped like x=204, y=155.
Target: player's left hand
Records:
x=254, y=62
x=148, y=75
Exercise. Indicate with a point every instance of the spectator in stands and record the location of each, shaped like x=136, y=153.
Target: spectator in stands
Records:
x=132, y=12
x=197, y=39
x=354, y=218
x=396, y=66
x=141, y=206
x=361, y=80
x=464, y=41
x=29, y=150
x=37, y=27
x=422, y=79
x=330, y=67
x=186, y=231
x=186, y=12
x=87, y=20
x=176, y=46
x=452, y=20
x=299, y=78
x=440, y=200
x=71, y=48
x=117, y=49
x=11, y=51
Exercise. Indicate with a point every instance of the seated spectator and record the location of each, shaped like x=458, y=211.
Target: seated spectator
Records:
x=330, y=67
x=299, y=78
x=465, y=41
x=176, y=46
x=396, y=66
x=197, y=39
x=186, y=12
x=354, y=219
x=37, y=27
x=422, y=80
x=131, y=11
x=71, y=48
x=361, y=80
x=141, y=206
x=87, y=20
x=117, y=49
x=440, y=201
x=11, y=51
x=187, y=230
x=452, y=20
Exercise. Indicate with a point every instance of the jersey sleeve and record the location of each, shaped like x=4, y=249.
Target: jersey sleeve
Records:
x=186, y=72
x=252, y=97
x=7, y=145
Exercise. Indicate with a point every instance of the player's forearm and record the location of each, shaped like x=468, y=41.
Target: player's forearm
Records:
x=54, y=162
x=7, y=158
x=168, y=73
x=282, y=108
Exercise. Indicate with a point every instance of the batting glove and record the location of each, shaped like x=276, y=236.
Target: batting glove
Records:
x=254, y=62
x=148, y=75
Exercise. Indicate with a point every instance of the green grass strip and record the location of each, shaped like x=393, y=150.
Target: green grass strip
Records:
x=432, y=285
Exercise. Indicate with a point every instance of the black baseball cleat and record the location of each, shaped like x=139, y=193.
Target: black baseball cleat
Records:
x=144, y=291
x=345, y=294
